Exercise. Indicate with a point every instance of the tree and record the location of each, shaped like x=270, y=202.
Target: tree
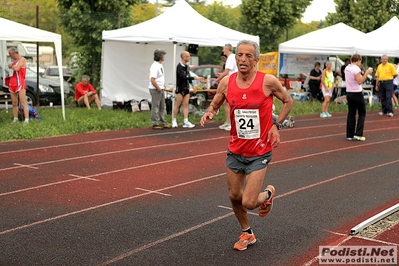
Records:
x=364, y=15
x=223, y=15
x=143, y=12
x=269, y=19
x=85, y=20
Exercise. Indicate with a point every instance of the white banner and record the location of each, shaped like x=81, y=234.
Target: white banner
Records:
x=296, y=64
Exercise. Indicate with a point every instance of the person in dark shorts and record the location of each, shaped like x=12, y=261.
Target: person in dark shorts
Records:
x=253, y=135
x=183, y=81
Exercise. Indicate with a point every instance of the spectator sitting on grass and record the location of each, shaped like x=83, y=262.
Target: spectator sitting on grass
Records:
x=85, y=94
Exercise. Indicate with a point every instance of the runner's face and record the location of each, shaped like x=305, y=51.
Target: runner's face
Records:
x=245, y=58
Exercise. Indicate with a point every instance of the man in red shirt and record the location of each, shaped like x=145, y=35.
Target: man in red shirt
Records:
x=253, y=135
x=85, y=94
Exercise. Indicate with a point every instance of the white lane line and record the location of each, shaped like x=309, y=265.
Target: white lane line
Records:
x=162, y=240
x=106, y=204
x=348, y=237
x=231, y=209
x=84, y=177
x=114, y=152
x=104, y=140
x=174, y=186
x=335, y=246
x=25, y=166
x=37, y=187
x=153, y=192
x=196, y=156
x=279, y=196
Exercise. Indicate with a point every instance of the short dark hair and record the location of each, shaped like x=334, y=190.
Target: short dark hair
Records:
x=158, y=54
x=396, y=61
x=222, y=54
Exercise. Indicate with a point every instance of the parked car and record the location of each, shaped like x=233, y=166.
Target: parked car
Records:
x=53, y=73
x=205, y=70
x=49, y=89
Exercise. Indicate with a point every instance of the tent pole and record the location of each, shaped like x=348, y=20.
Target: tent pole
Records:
x=174, y=77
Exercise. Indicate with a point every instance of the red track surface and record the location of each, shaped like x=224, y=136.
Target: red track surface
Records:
x=140, y=197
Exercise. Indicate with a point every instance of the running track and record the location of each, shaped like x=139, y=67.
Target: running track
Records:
x=144, y=197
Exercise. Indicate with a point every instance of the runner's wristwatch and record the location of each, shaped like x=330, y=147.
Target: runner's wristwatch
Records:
x=278, y=125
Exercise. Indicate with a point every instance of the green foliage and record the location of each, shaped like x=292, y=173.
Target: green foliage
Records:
x=223, y=15
x=364, y=15
x=85, y=21
x=269, y=19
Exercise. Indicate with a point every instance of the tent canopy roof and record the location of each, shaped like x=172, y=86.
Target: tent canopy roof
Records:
x=14, y=31
x=339, y=39
x=181, y=24
x=373, y=43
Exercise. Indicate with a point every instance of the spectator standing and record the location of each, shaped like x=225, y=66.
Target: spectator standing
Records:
x=17, y=87
x=327, y=87
x=156, y=87
x=253, y=135
x=230, y=68
x=223, y=57
x=85, y=94
x=385, y=74
x=314, y=81
x=183, y=81
x=395, y=85
x=354, y=95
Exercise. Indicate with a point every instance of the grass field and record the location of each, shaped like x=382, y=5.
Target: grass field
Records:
x=82, y=120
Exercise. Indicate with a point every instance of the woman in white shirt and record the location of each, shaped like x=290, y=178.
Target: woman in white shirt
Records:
x=354, y=95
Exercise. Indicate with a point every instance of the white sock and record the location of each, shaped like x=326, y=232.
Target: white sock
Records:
x=185, y=120
x=26, y=120
x=15, y=119
x=174, y=120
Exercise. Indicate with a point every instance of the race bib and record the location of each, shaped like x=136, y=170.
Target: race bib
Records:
x=247, y=123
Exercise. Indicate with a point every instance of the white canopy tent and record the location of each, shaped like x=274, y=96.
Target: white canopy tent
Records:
x=339, y=39
x=378, y=42
x=13, y=31
x=127, y=53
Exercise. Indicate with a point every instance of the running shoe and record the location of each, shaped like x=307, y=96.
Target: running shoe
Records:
x=174, y=124
x=359, y=138
x=267, y=206
x=349, y=138
x=381, y=113
x=390, y=114
x=328, y=114
x=188, y=125
x=244, y=241
x=225, y=126
x=291, y=121
x=323, y=115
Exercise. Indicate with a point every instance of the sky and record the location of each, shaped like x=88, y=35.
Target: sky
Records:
x=316, y=11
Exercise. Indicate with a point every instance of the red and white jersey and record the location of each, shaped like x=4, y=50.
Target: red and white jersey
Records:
x=17, y=80
x=251, y=117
